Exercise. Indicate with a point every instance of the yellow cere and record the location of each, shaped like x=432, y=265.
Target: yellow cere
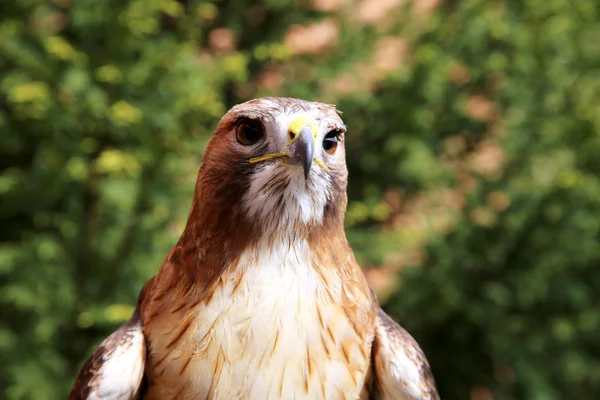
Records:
x=295, y=126
x=301, y=122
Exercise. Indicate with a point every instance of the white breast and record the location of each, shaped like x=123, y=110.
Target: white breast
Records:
x=267, y=336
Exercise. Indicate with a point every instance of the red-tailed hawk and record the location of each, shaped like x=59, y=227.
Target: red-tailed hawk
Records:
x=262, y=297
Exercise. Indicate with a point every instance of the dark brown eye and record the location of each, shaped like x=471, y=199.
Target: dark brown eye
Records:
x=249, y=132
x=330, y=142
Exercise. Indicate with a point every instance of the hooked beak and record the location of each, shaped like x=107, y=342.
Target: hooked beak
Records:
x=302, y=149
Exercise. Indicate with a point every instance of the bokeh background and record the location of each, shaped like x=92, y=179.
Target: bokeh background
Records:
x=473, y=149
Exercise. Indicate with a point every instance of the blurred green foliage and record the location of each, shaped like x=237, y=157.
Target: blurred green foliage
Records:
x=473, y=151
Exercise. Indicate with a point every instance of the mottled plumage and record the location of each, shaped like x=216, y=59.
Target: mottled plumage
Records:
x=262, y=296
x=401, y=368
x=116, y=368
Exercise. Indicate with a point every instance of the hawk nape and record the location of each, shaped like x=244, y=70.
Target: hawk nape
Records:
x=262, y=296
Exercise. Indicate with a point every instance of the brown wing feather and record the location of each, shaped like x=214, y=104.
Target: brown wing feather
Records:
x=115, y=369
x=401, y=369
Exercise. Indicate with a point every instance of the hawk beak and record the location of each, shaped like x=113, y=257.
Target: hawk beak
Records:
x=302, y=148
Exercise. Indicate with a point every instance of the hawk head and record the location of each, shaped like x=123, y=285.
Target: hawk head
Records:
x=275, y=165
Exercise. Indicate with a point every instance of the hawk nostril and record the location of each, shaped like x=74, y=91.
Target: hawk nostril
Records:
x=292, y=135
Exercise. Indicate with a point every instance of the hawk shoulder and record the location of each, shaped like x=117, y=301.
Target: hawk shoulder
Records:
x=401, y=369
x=115, y=370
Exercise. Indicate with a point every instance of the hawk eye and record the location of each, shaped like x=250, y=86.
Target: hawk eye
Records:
x=249, y=132
x=330, y=142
